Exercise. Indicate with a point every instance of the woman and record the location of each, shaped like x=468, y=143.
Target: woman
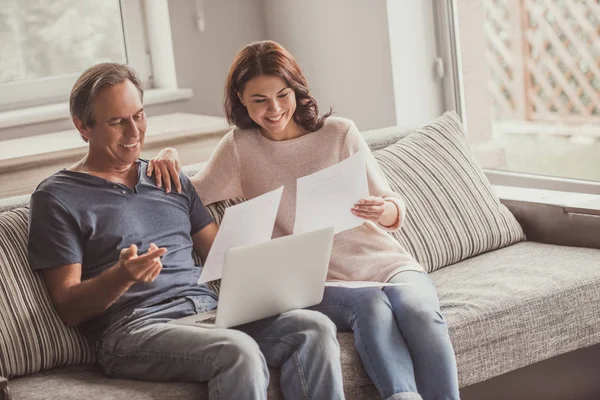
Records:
x=399, y=331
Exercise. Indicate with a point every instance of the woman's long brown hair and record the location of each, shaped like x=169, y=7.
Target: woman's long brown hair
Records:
x=269, y=58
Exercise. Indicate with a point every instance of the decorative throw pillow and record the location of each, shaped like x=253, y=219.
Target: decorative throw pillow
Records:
x=452, y=211
x=33, y=337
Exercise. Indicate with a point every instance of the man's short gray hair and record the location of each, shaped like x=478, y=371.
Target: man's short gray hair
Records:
x=90, y=83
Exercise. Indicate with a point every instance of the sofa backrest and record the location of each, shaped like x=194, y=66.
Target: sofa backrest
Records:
x=10, y=203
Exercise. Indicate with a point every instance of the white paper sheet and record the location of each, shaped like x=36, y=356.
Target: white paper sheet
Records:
x=362, y=284
x=325, y=198
x=243, y=224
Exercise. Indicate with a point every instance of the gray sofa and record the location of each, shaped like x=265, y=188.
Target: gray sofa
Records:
x=524, y=320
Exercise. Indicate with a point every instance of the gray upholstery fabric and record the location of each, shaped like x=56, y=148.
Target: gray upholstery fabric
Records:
x=87, y=382
x=519, y=305
x=10, y=203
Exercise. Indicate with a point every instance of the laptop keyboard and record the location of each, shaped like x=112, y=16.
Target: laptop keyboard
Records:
x=207, y=318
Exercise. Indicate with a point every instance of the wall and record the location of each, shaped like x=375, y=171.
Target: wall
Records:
x=201, y=58
x=417, y=87
x=344, y=52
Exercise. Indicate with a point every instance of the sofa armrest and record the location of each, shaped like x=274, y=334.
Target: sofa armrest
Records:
x=4, y=393
x=556, y=224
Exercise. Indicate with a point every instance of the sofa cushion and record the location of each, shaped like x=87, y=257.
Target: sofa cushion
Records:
x=33, y=337
x=519, y=305
x=87, y=382
x=453, y=213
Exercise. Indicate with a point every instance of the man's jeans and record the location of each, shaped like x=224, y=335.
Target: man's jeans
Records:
x=233, y=361
x=400, y=335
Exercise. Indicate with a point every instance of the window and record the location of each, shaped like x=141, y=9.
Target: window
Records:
x=542, y=77
x=46, y=44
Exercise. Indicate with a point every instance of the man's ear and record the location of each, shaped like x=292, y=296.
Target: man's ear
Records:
x=84, y=131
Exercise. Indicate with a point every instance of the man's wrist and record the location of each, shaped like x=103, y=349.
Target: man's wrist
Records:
x=122, y=275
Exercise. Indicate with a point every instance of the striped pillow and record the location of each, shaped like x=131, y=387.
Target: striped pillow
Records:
x=453, y=214
x=33, y=337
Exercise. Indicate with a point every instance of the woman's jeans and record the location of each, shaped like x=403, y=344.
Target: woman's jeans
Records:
x=233, y=361
x=400, y=335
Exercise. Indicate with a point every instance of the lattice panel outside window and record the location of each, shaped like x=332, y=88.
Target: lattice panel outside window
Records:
x=544, y=59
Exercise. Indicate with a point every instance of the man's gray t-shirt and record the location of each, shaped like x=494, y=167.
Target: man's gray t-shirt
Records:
x=80, y=218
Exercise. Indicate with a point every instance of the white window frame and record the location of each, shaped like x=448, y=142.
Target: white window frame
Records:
x=33, y=91
x=136, y=43
x=448, y=32
x=147, y=32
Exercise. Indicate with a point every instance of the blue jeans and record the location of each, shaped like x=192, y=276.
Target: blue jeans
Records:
x=233, y=361
x=400, y=335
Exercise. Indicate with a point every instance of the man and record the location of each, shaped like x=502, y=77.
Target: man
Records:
x=116, y=255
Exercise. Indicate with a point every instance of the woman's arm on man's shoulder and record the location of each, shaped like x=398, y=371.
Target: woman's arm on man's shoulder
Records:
x=218, y=180
x=166, y=167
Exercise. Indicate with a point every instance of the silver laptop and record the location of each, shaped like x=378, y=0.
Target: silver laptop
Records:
x=269, y=278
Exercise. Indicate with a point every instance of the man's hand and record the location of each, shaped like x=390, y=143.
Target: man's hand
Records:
x=166, y=168
x=141, y=268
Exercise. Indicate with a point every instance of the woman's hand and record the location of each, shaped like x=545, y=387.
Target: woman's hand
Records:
x=166, y=169
x=378, y=210
x=371, y=208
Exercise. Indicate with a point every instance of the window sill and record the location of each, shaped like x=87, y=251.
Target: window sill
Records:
x=52, y=112
x=25, y=162
x=572, y=202
x=163, y=130
x=551, y=183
